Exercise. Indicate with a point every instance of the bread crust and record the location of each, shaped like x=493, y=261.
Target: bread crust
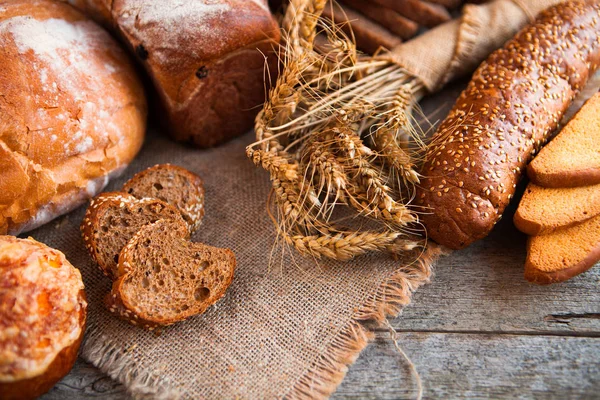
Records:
x=54, y=298
x=72, y=109
x=565, y=179
x=515, y=99
x=210, y=91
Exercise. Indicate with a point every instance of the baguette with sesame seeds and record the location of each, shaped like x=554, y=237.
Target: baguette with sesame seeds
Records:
x=112, y=219
x=514, y=101
x=174, y=185
x=163, y=278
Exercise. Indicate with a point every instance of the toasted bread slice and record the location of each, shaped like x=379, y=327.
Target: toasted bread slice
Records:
x=113, y=218
x=544, y=210
x=564, y=253
x=172, y=184
x=164, y=278
x=572, y=158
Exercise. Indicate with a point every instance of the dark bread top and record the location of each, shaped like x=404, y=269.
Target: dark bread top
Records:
x=514, y=101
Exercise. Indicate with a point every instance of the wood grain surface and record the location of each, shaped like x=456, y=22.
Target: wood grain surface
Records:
x=478, y=330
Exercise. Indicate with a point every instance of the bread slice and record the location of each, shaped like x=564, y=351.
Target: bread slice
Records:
x=573, y=157
x=164, y=278
x=543, y=210
x=175, y=185
x=113, y=218
x=564, y=253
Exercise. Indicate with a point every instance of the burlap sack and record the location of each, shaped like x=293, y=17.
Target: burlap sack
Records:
x=288, y=326
x=455, y=49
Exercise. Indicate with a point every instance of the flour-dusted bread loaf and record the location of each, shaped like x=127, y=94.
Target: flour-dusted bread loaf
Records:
x=564, y=253
x=174, y=185
x=164, y=278
x=42, y=317
x=544, y=210
x=205, y=57
x=113, y=218
x=572, y=158
x=515, y=99
x=72, y=111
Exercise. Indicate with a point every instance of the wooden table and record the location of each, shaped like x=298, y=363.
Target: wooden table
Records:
x=478, y=330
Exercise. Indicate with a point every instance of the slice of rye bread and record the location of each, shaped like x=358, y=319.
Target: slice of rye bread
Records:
x=544, y=210
x=113, y=218
x=572, y=158
x=564, y=253
x=164, y=278
x=175, y=185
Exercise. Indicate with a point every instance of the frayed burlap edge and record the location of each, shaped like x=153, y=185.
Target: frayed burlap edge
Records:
x=109, y=356
x=323, y=378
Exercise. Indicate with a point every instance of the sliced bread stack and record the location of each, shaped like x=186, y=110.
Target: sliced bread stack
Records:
x=560, y=209
x=140, y=239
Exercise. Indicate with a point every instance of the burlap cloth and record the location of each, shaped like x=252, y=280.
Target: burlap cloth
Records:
x=288, y=326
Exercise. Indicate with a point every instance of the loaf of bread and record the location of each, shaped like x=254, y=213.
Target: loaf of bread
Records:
x=206, y=59
x=572, y=158
x=544, y=210
x=564, y=253
x=42, y=317
x=514, y=100
x=72, y=111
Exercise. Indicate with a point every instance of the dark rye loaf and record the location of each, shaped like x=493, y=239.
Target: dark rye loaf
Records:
x=514, y=101
x=164, y=278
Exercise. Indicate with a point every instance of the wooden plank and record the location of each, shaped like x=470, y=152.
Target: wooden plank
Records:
x=477, y=366
x=482, y=289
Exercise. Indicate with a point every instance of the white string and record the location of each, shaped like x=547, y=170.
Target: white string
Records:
x=413, y=369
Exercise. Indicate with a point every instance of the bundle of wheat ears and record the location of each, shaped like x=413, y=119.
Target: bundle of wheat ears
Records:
x=337, y=132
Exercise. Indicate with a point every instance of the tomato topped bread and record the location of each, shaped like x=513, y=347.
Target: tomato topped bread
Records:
x=42, y=317
x=72, y=111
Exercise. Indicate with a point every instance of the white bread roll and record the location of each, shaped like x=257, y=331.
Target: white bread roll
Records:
x=72, y=111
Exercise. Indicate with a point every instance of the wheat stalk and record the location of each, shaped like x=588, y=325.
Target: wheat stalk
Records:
x=335, y=133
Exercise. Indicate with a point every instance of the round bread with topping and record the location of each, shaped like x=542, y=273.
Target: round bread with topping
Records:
x=72, y=111
x=42, y=317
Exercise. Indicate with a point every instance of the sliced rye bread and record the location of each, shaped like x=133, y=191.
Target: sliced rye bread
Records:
x=164, y=278
x=113, y=218
x=564, y=253
x=175, y=185
x=544, y=210
x=572, y=158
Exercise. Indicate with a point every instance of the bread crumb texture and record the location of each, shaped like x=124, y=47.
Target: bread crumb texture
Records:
x=41, y=307
x=71, y=110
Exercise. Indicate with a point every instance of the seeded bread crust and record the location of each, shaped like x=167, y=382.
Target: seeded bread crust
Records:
x=91, y=228
x=572, y=158
x=515, y=99
x=138, y=314
x=544, y=210
x=43, y=301
x=148, y=184
x=563, y=254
